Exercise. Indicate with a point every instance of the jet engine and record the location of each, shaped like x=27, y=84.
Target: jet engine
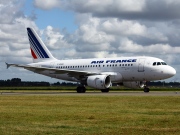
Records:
x=99, y=81
x=134, y=85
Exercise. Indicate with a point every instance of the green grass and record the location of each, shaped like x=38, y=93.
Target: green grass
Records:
x=90, y=115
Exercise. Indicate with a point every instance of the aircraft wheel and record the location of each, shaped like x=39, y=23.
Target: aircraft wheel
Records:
x=146, y=90
x=81, y=89
x=105, y=90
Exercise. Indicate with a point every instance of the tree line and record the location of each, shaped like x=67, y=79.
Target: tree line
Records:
x=18, y=82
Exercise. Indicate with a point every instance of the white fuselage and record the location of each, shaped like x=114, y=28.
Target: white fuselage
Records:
x=120, y=69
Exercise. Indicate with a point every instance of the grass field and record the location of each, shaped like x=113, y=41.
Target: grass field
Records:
x=89, y=115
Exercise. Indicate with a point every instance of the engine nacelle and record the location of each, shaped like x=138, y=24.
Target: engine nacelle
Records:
x=134, y=85
x=99, y=81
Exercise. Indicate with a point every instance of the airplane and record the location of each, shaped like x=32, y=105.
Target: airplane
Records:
x=98, y=73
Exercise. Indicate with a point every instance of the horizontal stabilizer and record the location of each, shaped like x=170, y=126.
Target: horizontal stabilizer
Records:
x=8, y=65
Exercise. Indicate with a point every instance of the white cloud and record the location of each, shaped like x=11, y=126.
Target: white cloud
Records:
x=105, y=6
x=124, y=27
x=105, y=54
x=9, y=10
x=47, y=4
x=14, y=44
x=90, y=37
x=71, y=53
x=127, y=45
x=54, y=39
x=123, y=9
x=128, y=5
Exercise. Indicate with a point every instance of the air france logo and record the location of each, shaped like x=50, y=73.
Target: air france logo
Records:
x=113, y=61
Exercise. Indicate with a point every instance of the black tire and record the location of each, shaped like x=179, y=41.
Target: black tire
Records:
x=146, y=90
x=105, y=90
x=81, y=89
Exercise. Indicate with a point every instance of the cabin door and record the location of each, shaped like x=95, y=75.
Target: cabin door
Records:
x=141, y=65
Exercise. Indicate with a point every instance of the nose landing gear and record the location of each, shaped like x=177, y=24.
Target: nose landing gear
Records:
x=146, y=89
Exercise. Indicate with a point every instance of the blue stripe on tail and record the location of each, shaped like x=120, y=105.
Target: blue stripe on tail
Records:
x=35, y=47
x=35, y=43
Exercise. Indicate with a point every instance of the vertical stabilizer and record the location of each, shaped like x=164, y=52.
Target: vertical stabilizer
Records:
x=38, y=49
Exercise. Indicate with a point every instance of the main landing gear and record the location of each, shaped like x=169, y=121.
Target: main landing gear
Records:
x=81, y=89
x=146, y=89
x=105, y=90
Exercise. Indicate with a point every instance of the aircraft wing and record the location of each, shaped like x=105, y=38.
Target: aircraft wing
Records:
x=71, y=73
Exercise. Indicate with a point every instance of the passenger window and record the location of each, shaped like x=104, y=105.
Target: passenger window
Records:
x=154, y=64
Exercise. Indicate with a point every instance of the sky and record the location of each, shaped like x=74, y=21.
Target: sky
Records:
x=89, y=29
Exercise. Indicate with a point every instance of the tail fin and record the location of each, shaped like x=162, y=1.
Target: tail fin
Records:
x=39, y=51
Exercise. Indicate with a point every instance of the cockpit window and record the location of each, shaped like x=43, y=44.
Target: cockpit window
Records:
x=158, y=63
x=163, y=63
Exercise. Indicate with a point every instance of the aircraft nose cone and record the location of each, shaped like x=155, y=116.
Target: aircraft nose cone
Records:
x=173, y=71
x=170, y=71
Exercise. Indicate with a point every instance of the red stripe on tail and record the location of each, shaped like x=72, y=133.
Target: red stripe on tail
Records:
x=33, y=54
